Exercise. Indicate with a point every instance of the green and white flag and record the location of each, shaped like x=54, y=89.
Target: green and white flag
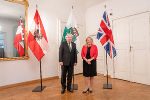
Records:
x=71, y=28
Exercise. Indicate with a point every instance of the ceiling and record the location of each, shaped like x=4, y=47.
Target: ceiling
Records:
x=90, y=3
x=14, y=10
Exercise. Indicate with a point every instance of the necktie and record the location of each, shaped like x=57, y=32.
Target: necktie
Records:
x=70, y=47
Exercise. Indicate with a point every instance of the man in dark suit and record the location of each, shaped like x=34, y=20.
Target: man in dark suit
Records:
x=67, y=60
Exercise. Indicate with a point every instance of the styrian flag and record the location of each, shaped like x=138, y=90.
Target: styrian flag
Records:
x=71, y=28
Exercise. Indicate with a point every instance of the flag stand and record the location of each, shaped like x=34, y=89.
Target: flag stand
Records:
x=74, y=86
x=39, y=88
x=107, y=86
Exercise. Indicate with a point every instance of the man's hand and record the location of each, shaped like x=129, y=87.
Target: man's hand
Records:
x=61, y=63
x=75, y=64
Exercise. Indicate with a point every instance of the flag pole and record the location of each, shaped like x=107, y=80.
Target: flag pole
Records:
x=107, y=85
x=39, y=88
x=41, y=75
x=74, y=86
x=23, y=39
x=107, y=68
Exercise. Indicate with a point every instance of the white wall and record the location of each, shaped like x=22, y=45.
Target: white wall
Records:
x=120, y=8
x=17, y=71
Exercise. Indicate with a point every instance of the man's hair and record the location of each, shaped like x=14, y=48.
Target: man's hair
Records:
x=68, y=34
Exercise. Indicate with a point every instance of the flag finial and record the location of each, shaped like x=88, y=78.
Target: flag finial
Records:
x=36, y=6
x=105, y=6
x=20, y=18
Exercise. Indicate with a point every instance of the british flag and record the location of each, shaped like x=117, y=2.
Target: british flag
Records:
x=105, y=36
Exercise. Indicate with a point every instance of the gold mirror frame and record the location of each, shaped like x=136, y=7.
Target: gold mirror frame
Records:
x=25, y=3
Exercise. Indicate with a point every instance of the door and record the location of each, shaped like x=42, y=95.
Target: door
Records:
x=122, y=43
x=131, y=39
x=139, y=28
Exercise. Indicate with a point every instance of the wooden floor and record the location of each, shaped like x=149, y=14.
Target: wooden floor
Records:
x=122, y=90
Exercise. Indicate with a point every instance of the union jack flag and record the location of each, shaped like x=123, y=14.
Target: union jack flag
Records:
x=105, y=36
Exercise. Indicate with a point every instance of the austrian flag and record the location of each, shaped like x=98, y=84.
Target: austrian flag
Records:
x=19, y=39
x=37, y=40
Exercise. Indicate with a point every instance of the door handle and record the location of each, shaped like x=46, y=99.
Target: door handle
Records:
x=131, y=48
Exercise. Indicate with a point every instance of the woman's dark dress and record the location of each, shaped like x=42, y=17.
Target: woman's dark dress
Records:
x=89, y=70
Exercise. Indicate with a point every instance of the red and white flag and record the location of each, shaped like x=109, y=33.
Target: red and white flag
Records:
x=37, y=40
x=19, y=39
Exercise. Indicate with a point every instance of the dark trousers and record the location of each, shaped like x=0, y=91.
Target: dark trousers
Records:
x=64, y=71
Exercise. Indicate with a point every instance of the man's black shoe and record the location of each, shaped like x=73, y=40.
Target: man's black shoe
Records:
x=70, y=90
x=62, y=91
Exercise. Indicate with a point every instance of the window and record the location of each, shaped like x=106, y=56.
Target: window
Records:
x=1, y=40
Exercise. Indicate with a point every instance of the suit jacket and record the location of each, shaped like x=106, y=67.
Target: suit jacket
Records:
x=93, y=51
x=65, y=55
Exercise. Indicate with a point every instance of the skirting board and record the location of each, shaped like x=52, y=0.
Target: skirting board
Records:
x=27, y=82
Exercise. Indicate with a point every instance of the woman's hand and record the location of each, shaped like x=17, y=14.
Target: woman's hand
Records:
x=88, y=61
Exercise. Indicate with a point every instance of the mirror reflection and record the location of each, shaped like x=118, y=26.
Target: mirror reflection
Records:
x=11, y=14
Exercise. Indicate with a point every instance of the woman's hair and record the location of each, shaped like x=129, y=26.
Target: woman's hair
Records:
x=87, y=39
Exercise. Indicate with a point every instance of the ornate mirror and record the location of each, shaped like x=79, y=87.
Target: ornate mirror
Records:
x=11, y=14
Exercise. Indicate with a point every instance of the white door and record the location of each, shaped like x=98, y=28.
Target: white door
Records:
x=139, y=29
x=122, y=44
x=131, y=38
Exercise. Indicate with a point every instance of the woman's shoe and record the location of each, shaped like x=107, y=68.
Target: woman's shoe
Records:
x=86, y=91
x=90, y=91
